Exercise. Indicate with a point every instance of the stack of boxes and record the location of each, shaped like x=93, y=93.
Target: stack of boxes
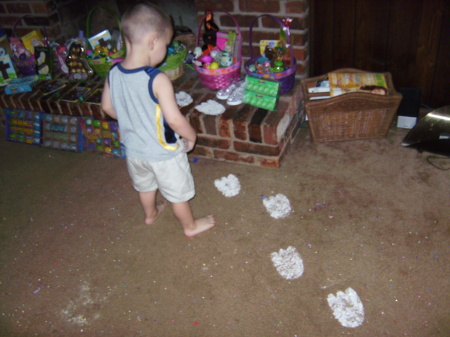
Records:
x=261, y=93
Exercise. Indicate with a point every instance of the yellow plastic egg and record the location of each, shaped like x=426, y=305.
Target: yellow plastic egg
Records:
x=214, y=65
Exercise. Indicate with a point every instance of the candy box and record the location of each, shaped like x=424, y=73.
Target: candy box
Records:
x=24, y=126
x=44, y=62
x=259, y=100
x=261, y=86
x=33, y=39
x=62, y=132
x=7, y=70
x=102, y=136
x=23, y=84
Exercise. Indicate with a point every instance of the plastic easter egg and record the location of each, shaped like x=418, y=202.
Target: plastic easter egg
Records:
x=214, y=65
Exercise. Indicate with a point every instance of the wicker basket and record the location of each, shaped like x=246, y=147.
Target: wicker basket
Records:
x=102, y=65
x=350, y=116
x=286, y=77
x=222, y=77
x=174, y=65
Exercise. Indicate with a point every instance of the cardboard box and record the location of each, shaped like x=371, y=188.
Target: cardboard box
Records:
x=62, y=132
x=102, y=136
x=24, y=126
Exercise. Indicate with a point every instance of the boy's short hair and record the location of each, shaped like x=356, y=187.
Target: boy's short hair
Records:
x=143, y=18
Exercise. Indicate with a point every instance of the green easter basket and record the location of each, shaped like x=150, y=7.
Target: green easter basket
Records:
x=102, y=65
x=174, y=65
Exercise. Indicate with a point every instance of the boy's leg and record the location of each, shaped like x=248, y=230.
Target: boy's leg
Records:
x=190, y=225
x=151, y=209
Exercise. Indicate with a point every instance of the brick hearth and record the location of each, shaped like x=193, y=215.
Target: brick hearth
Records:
x=243, y=133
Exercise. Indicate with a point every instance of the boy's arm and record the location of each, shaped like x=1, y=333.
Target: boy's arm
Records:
x=107, y=106
x=163, y=89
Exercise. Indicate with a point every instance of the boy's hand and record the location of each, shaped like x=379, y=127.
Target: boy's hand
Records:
x=188, y=145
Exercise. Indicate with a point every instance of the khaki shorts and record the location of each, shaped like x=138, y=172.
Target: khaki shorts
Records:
x=172, y=177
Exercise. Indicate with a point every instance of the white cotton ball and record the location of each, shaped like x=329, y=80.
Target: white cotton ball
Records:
x=278, y=206
x=229, y=186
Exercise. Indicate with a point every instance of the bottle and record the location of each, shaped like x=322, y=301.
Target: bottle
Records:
x=4, y=43
x=61, y=53
x=82, y=39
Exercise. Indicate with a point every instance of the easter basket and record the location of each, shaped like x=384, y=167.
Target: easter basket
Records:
x=221, y=77
x=287, y=76
x=173, y=65
x=101, y=65
x=26, y=66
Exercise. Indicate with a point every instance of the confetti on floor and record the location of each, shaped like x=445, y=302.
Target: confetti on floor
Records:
x=288, y=263
x=347, y=308
x=278, y=206
x=211, y=107
x=183, y=99
x=229, y=186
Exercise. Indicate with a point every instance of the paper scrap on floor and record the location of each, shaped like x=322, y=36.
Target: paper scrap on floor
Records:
x=183, y=99
x=211, y=107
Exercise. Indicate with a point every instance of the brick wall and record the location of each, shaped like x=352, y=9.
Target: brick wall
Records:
x=245, y=11
x=63, y=18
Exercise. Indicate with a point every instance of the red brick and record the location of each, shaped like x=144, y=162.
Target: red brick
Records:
x=262, y=6
x=270, y=162
x=210, y=123
x=271, y=126
x=262, y=35
x=253, y=148
x=296, y=7
x=22, y=8
x=194, y=119
x=42, y=20
x=234, y=156
x=214, y=142
x=241, y=121
x=43, y=8
x=298, y=39
x=203, y=5
x=254, y=127
x=195, y=100
x=225, y=122
x=202, y=151
x=243, y=21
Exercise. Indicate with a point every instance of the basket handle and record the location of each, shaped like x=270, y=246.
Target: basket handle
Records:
x=20, y=19
x=88, y=21
x=286, y=30
x=239, y=36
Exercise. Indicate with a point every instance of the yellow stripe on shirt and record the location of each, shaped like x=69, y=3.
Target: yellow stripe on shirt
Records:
x=160, y=131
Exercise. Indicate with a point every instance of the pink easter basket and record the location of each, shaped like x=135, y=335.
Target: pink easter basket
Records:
x=222, y=77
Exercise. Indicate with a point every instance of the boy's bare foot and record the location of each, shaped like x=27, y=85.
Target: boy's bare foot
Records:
x=201, y=225
x=160, y=205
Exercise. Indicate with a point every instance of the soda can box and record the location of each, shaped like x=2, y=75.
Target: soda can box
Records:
x=102, y=136
x=62, y=132
x=24, y=126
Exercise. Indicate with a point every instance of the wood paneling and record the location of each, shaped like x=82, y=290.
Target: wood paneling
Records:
x=408, y=38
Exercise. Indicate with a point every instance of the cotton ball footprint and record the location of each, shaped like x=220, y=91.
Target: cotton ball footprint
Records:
x=229, y=186
x=288, y=263
x=278, y=206
x=347, y=308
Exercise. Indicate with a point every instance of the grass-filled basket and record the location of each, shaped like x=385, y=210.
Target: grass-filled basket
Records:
x=221, y=77
x=101, y=65
x=173, y=65
x=287, y=76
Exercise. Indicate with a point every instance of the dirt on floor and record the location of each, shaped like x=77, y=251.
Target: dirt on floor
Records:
x=363, y=251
